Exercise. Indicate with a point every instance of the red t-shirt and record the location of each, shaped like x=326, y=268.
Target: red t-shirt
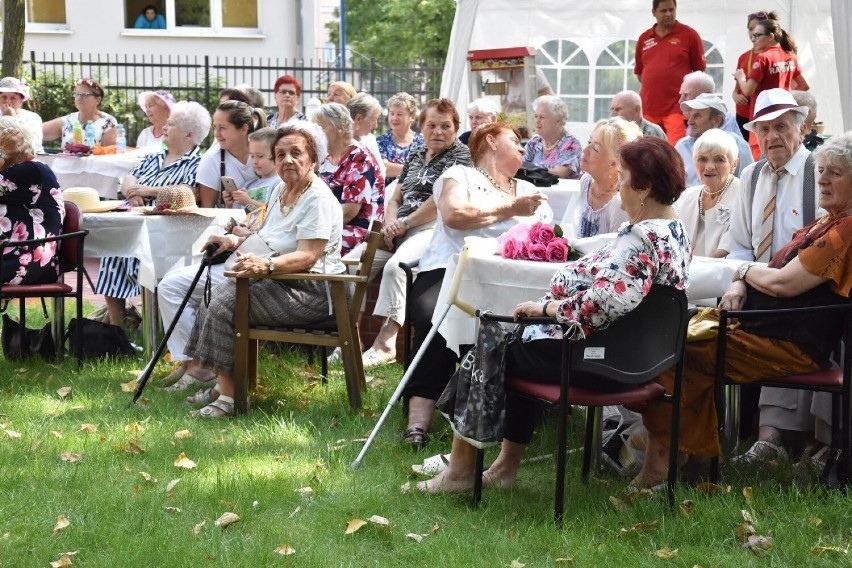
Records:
x=661, y=63
x=773, y=69
x=744, y=63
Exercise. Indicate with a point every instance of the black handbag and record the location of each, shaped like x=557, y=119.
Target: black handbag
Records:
x=20, y=342
x=99, y=339
x=536, y=175
x=474, y=401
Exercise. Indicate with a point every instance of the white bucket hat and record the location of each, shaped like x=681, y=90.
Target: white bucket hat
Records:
x=771, y=104
x=88, y=200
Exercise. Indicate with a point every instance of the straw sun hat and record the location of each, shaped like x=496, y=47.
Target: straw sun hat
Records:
x=88, y=200
x=177, y=200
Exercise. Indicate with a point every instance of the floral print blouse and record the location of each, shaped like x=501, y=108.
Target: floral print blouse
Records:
x=394, y=153
x=102, y=124
x=357, y=179
x=567, y=152
x=600, y=287
x=31, y=207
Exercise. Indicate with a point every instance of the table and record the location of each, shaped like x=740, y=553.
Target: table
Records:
x=160, y=242
x=490, y=282
x=99, y=172
x=563, y=198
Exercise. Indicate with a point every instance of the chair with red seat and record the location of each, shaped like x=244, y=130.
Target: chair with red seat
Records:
x=836, y=381
x=633, y=351
x=70, y=245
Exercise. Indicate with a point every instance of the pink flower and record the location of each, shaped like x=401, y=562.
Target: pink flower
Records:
x=557, y=250
x=544, y=236
x=519, y=232
x=537, y=251
x=523, y=250
x=510, y=249
x=535, y=229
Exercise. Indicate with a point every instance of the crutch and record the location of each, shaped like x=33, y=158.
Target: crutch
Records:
x=142, y=380
x=452, y=300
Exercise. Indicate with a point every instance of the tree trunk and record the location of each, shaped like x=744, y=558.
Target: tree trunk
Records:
x=14, y=25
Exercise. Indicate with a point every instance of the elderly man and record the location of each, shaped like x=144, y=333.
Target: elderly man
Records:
x=664, y=54
x=703, y=113
x=13, y=94
x=480, y=112
x=778, y=197
x=628, y=105
x=699, y=82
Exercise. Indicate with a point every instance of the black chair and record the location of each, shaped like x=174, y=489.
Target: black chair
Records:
x=633, y=351
x=70, y=245
x=837, y=380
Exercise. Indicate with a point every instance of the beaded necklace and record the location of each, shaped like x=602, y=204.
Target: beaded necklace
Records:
x=287, y=209
x=497, y=186
x=718, y=193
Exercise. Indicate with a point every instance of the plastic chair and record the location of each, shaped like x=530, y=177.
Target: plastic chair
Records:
x=836, y=381
x=70, y=245
x=633, y=351
x=340, y=330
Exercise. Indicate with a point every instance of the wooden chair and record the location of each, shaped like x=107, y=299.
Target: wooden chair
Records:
x=70, y=250
x=633, y=351
x=837, y=381
x=340, y=330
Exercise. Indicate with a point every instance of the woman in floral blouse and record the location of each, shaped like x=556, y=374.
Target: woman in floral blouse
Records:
x=88, y=96
x=587, y=295
x=553, y=147
x=401, y=140
x=31, y=207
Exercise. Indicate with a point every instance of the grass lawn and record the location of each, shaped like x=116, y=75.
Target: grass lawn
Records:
x=109, y=471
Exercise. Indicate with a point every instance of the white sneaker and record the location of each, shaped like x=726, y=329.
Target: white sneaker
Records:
x=760, y=451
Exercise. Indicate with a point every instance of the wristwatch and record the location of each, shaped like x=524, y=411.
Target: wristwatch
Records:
x=404, y=221
x=270, y=268
x=250, y=207
x=743, y=269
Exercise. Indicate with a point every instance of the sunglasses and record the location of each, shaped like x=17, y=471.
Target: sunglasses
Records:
x=758, y=16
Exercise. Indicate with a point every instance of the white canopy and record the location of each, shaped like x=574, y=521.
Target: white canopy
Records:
x=825, y=43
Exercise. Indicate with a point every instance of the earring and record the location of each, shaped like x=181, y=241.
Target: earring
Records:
x=641, y=202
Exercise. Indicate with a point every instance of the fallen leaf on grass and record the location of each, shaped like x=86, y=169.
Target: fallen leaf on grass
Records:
x=819, y=550
x=171, y=486
x=418, y=538
x=295, y=512
x=640, y=528
x=148, y=477
x=129, y=386
x=743, y=531
x=63, y=561
x=56, y=433
x=226, y=519
x=709, y=488
x=436, y=528
x=196, y=530
x=516, y=564
x=285, y=550
x=758, y=544
x=354, y=526
x=13, y=434
x=71, y=457
x=686, y=508
x=173, y=509
x=64, y=392
x=748, y=493
x=747, y=516
x=61, y=524
x=565, y=560
x=814, y=522
x=381, y=521
x=183, y=434
x=184, y=462
x=131, y=447
x=617, y=503
x=667, y=553
x=134, y=428
x=88, y=427
x=306, y=491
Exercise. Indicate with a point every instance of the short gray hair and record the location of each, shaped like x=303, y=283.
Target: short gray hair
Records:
x=28, y=137
x=632, y=96
x=405, y=101
x=836, y=150
x=716, y=140
x=554, y=104
x=191, y=117
x=484, y=105
x=361, y=105
x=708, y=85
x=337, y=115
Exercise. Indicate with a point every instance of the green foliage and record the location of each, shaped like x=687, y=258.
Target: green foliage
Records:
x=397, y=32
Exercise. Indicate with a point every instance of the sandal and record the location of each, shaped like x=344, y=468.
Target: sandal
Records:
x=173, y=377
x=217, y=409
x=372, y=358
x=205, y=396
x=416, y=436
x=186, y=380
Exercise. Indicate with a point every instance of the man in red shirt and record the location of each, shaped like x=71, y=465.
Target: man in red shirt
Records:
x=664, y=54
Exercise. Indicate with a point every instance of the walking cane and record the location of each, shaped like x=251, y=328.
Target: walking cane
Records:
x=146, y=374
x=452, y=300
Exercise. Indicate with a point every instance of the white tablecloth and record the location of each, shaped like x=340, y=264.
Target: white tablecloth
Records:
x=565, y=196
x=490, y=282
x=99, y=172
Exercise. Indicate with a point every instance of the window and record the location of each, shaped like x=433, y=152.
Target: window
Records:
x=134, y=10
x=207, y=15
x=613, y=74
x=567, y=70
x=46, y=14
x=715, y=65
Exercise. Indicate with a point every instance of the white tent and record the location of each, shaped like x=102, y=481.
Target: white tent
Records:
x=584, y=49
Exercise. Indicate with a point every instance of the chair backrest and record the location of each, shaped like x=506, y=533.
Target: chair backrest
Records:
x=374, y=237
x=639, y=346
x=69, y=249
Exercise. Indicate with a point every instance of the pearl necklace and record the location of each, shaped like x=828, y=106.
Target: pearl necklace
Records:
x=497, y=186
x=548, y=149
x=718, y=193
x=287, y=209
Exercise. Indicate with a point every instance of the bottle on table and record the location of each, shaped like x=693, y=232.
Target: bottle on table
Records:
x=89, y=134
x=78, y=132
x=120, y=139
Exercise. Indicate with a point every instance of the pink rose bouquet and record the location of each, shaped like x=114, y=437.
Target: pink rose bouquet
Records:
x=534, y=242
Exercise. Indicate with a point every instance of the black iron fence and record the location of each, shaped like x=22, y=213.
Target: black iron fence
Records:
x=200, y=78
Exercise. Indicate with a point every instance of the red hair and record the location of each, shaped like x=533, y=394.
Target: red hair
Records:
x=288, y=79
x=478, y=142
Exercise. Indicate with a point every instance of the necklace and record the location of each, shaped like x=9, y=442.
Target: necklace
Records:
x=497, y=186
x=287, y=209
x=549, y=148
x=711, y=194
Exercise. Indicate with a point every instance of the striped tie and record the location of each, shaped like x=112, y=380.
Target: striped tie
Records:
x=767, y=221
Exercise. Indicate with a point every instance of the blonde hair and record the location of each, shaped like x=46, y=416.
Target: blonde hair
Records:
x=616, y=132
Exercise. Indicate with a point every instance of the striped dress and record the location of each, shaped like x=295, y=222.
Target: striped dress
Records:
x=117, y=274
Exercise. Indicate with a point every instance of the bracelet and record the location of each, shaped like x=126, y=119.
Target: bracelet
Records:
x=404, y=221
x=270, y=268
x=544, y=308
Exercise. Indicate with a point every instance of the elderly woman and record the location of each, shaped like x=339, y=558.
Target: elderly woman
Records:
x=812, y=269
x=396, y=145
x=481, y=201
x=587, y=295
x=88, y=96
x=706, y=209
x=185, y=128
x=340, y=92
x=14, y=93
x=288, y=93
x=365, y=110
x=31, y=207
x=600, y=208
x=157, y=106
x=410, y=215
x=480, y=112
x=553, y=147
x=352, y=173
x=233, y=121
x=304, y=229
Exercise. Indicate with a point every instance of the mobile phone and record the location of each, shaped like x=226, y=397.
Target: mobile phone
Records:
x=228, y=184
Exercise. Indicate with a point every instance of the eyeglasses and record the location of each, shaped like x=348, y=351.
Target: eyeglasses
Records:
x=755, y=37
x=83, y=95
x=290, y=92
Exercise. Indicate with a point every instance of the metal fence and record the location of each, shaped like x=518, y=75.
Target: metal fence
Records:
x=199, y=78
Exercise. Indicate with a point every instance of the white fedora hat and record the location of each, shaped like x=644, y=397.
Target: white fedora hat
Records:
x=771, y=104
x=88, y=200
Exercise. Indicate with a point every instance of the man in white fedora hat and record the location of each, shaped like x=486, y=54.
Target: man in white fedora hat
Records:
x=702, y=113
x=778, y=197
